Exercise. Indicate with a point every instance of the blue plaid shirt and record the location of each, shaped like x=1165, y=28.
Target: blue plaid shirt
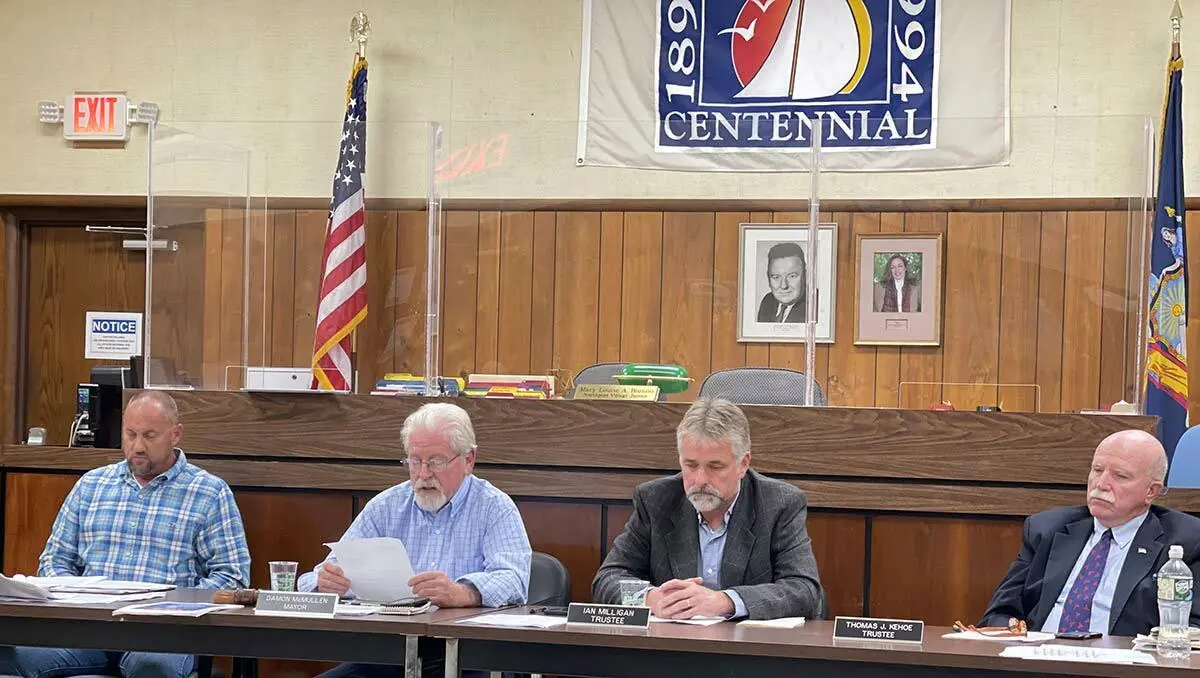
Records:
x=478, y=538
x=182, y=528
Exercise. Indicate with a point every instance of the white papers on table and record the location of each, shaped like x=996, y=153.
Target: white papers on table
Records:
x=112, y=587
x=695, y=621
x=1072, y=653
x=172, y=609
x=50, y=582
x=16, y=589
x=1030, y=637
x=781, y=623
x=101, y=598
x=515, y=620
x=378, y=568
x=348, y=610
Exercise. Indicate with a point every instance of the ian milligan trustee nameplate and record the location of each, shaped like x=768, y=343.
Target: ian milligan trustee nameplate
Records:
x=608, y=615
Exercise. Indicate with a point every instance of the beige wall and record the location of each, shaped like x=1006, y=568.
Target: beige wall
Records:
x=270, y=76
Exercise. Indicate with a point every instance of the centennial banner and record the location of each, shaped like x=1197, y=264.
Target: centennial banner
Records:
x=737, y=85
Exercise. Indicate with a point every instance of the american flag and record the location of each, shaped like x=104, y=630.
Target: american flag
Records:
x=342, y=303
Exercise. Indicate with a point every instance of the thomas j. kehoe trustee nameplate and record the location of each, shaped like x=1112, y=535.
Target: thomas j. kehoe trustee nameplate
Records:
x=868, y=628
x=294, y=604
x=608, y=615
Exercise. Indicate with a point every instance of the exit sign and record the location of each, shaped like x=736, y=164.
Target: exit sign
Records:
x=96, y=116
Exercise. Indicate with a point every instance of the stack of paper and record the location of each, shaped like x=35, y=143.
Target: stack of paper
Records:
x=1072, y=653
x=78, y=590
x=695, y=621
x=781, y=623
x=173, y=609
x=515, y=620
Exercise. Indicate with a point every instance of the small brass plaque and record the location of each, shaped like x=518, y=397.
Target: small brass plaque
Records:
x=615, y=392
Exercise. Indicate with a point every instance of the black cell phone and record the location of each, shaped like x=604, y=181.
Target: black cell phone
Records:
x=1077, y=635
x=549, y=610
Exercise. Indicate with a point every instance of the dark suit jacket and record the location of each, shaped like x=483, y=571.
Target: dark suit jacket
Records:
x=768, y=558
x=769, y=306
x=1052, y=542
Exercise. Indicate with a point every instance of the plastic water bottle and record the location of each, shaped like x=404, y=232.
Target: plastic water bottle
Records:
x=1174, y=606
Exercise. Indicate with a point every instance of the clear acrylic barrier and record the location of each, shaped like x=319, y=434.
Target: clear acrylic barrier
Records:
x=199, y=207
x=544, y=267
x=1032, y=304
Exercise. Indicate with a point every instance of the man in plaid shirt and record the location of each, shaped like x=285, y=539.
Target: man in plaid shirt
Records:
x=150, y=518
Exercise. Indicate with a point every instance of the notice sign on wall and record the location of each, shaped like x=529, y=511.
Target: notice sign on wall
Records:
x=112, y=335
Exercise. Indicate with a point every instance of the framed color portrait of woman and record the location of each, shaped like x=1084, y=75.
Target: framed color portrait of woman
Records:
x=898, y=289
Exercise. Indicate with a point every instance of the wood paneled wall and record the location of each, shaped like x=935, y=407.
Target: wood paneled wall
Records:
x=1030, y=298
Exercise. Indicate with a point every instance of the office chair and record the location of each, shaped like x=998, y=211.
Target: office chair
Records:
x=760, y=386
x=549, y=581
x=1185, y=464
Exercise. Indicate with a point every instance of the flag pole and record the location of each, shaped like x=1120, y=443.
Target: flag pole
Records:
x=360, y=32
x=1176, y=25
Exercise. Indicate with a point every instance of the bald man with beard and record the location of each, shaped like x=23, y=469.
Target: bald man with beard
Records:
x=1091, y=568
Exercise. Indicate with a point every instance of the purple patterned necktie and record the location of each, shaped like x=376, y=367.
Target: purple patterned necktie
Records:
x=1077, y=611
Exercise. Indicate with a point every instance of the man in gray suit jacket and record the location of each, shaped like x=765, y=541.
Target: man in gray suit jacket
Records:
x=716, y=539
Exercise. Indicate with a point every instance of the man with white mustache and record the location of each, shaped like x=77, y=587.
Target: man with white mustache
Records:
x=717, y=539
x=465, y=537
x=1090, y=569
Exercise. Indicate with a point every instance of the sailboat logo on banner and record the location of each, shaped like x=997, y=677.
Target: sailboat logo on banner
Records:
x=777, y=43
x=755, y=74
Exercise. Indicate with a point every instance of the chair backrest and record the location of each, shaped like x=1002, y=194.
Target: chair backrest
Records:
x=1185, y=464
x=760, y=386
x=549, y=581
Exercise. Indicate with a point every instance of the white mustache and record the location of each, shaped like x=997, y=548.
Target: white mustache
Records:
x=1102, y=495
x=431, y=484
x=704, y=490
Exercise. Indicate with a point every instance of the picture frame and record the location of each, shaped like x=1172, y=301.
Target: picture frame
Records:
x=898, y=289
x=785, y=245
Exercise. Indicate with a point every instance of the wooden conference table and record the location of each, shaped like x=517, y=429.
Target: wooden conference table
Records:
x=664, y=649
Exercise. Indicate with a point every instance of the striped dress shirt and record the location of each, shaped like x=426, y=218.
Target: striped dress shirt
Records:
x=182, y=528
x=478, y=537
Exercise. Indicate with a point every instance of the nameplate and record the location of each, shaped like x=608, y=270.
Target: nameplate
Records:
x=868, y=628
x=615, y=392
x=608, y=615
x=294, y=604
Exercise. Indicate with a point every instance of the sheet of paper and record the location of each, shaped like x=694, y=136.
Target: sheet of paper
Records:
x=101, y=598
x=1072, y=653
x=112, y=587
x=21, y=590
x=781, y=623
x=173, y=609
x=1030, y=637
x=346, y=610
x=378, y=568
x=515, y=620
x=695, y=621
x=48, y=582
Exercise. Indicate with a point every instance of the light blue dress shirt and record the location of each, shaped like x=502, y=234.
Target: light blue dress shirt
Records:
x=478, y=537
x=712, y=549
x=1102, y=602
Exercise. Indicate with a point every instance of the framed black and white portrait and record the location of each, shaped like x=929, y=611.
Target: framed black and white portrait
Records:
x=775, y=262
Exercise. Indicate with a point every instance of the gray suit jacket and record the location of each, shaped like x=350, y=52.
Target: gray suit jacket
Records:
x=768, y=558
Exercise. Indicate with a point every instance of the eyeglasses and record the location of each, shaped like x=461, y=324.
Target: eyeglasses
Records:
x=436, y=464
